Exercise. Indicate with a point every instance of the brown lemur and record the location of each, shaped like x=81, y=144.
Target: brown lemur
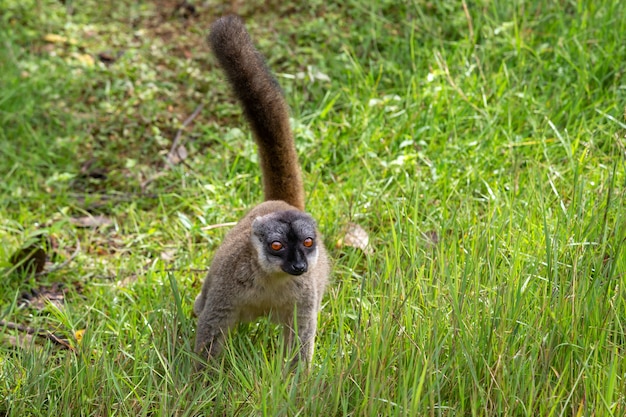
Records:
x=273, y=262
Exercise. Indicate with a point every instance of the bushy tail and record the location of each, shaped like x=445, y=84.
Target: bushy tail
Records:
x=264, y=107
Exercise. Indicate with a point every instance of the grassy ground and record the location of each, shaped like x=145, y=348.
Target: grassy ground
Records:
x=480, y=144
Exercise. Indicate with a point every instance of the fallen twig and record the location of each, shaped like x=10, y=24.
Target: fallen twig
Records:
x=469, y=20
x=218, y=225
x=444, y=66
x=189, y=270
x=64, y=263
x=174, y=156
x=179, y=133
x=46, y=334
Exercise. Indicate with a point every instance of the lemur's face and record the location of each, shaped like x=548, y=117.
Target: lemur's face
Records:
x=285, y=241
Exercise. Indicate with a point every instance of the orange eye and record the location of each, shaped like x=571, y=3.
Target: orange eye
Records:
x=276, y=246
x=308, y=242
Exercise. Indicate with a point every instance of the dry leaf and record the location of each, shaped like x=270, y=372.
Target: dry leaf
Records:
x=29, y=259
x=33, y=255
x=431, y=237
x=78, y=335
x=85, y=59
x=22, y=341
x=168, y=255
x=126, y=282
x=91, y=221
x=355, y=237
x=40, y=297
x=109, y=57
x=53, y=38
x=177, y=155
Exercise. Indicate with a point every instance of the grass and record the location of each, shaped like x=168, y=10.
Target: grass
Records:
x=480, y=144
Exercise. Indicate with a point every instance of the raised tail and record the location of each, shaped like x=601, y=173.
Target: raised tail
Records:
x=264, y=107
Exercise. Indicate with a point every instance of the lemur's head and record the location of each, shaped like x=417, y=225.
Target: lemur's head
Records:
x=285, y=241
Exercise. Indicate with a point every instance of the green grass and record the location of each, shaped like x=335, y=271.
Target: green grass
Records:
x=480, y=144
